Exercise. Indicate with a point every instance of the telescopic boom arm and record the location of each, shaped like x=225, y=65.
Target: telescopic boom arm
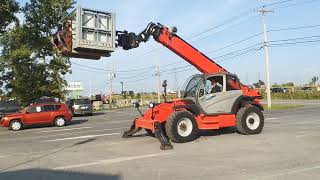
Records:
x=168, y=38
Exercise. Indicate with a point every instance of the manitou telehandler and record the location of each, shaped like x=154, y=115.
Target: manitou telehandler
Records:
x=200, y=108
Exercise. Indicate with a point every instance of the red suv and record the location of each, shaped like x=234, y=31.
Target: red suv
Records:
x=45, y=113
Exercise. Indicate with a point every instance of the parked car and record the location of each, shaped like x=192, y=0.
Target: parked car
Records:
x=80, y=106
x=279, y=90
x=45, y=100
x=9, y=107
x=56, y=114
x=306, y=89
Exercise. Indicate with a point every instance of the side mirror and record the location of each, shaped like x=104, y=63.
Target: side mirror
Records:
x=201, y=92
x=136, y=105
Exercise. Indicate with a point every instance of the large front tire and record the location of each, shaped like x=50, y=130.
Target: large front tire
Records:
x=182, y=127
x=249, y=120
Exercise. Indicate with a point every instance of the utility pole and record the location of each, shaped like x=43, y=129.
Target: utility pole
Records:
x=158, y=83
x=90, y=88
x=112, y=75
x=266, y=52
x=247, y=78
x=121, y=87
x=175, y=80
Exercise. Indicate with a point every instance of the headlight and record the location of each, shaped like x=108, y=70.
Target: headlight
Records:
x=151, y=105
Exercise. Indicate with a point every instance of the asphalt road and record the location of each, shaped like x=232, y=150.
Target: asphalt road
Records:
x=92, y=148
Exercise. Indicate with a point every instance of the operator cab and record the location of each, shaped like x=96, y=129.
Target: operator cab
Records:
x=213, y=94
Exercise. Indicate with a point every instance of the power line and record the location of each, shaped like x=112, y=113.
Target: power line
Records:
x=228, y=21
x=295, y=28
x=241, y=22
x=218, y=26
x=240, y=54
x=275, y=3
x=298, y=38
x=90, y=67
x=295, y=4
x=294, y=43
x=238, y=42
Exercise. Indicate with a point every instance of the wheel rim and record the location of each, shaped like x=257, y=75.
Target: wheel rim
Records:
x=60, y=121
x=16, y=126
x=184, y=127
x=253, y=121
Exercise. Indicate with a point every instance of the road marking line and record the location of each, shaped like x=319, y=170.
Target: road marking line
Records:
x=110, y=161
x=305, y=135
x=69, y=129
x=108, y=143
x=81, y=137
x=54, y=135
x=303, y=122
x=291, y=171
x=272, y=118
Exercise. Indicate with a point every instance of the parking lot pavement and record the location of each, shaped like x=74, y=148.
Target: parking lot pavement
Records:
x=92, y=148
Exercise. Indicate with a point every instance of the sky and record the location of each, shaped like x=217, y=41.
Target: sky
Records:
x=224, y=22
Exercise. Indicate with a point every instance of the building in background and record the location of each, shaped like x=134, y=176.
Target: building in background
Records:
x=74, y=89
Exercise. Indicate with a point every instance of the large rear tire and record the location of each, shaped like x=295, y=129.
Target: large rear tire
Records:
x=249, y=120
x=182, y=127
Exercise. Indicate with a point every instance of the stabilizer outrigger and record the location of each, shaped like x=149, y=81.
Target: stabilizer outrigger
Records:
x=158, y=132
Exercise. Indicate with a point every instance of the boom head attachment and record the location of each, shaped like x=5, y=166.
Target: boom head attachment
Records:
x=86, y=33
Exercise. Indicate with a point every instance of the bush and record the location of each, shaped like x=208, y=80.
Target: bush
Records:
x=298, y=95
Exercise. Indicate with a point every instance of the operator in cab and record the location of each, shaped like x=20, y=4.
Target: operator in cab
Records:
x=215, y=87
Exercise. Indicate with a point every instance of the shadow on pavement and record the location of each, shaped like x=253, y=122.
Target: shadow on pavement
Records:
x=228, y=130
x=98, y=113
x=84, y=142
x=47, y=154
x=86, y=115
x=73, y=122
x=77, y=121
x=47, y=174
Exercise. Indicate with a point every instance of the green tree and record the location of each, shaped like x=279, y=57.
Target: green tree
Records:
x=8, y=8
x=275, y=85
x=314, y=80
x=30, y=69
x=288, y=84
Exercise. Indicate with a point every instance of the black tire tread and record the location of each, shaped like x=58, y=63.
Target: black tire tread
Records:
x=239, y=120
x=239, y=126
x=169, y=127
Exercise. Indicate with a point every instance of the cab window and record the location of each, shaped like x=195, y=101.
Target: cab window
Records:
x=192, y=86
x=232, y=83
x=214, y=84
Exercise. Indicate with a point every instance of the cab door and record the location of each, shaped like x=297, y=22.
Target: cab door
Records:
x=219, y=102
